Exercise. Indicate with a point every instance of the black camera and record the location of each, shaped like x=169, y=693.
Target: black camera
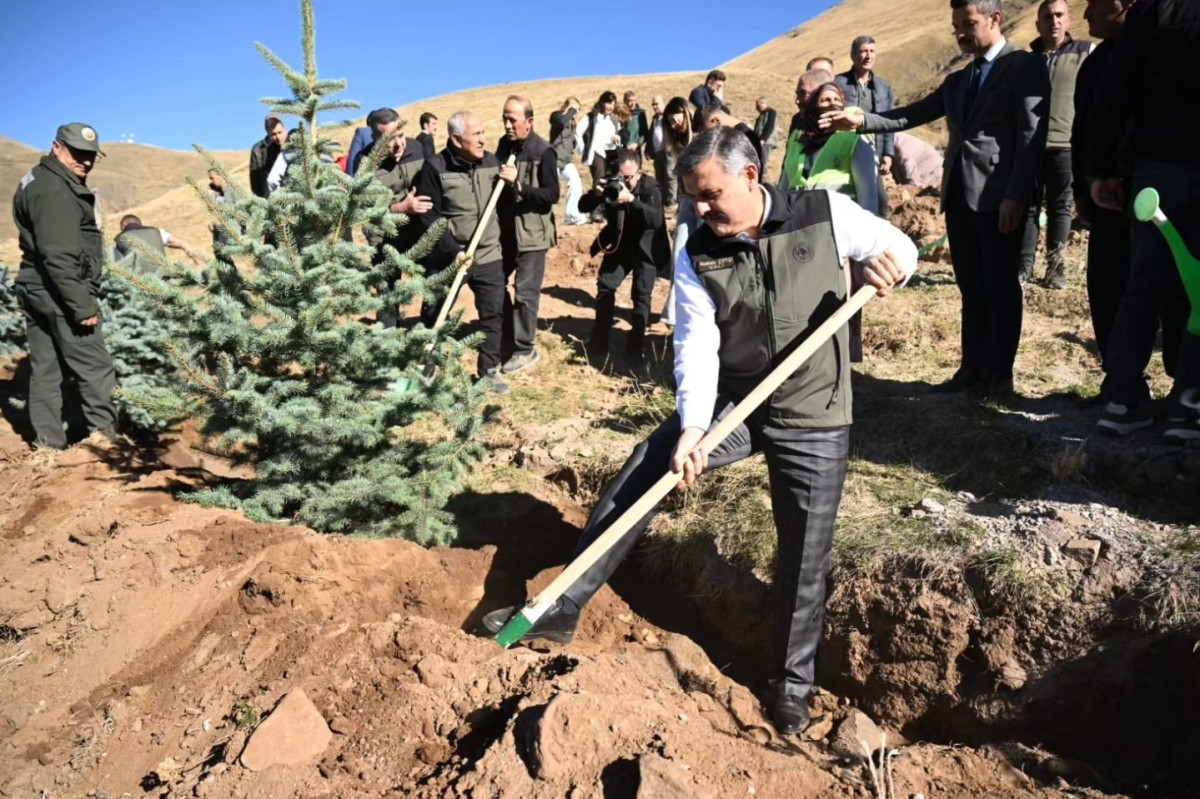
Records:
x=613, y=186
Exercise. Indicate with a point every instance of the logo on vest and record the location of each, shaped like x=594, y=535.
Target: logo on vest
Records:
x=803, y=252
x=710, y=264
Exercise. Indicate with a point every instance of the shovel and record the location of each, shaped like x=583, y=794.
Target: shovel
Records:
x=407, y=385
x=1146, y=209
x=520, y=624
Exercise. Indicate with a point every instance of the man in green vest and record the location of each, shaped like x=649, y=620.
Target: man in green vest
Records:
x=156, y=240
x=766, y=269
x=1063, y=57
x=526, y=212
x=458, y=182
x=62, y=267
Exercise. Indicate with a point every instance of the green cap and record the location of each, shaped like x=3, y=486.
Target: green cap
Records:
x=79, y=136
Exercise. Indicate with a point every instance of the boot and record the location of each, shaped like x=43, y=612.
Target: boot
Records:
x=1056, y=269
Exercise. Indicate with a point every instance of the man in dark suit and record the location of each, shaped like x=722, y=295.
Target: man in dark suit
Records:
x=864, y=89
x=711, y=91
x=996, y=110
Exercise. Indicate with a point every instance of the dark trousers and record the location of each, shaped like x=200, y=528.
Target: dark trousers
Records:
x=1107, y=271
x=60, y=349
x=884, y=210
x=1155, y=290
x=664, y=173
x=521, y=308
x=487, y=283
x=1053, y=187
x=807, y=469
x=985, y=269
x=613, y=270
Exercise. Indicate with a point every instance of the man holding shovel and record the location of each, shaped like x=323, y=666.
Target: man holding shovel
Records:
x=753, y=283
x=458, y=182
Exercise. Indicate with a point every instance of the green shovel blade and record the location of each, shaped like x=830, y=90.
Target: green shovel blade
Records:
x=513, y=631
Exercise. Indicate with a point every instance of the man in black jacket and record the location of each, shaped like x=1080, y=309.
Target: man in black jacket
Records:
x=765, y=128
x=58, y=285
x=458, y=182
x=1144, y=106
x=428, y=135
x=711, y=91
x=634, y=239
x=526, y=212
x=264, y=153
x=1108, y=242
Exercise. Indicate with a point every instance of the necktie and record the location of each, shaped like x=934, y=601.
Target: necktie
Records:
x=973, y=84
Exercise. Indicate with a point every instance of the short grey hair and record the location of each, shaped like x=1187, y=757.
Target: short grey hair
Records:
x=456, y=125
x=858, y=42
x=729, y=146
x=816, y=77
x=984, y=7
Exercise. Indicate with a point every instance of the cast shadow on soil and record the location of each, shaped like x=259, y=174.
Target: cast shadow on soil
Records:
x=528, y=534
x=570, y=295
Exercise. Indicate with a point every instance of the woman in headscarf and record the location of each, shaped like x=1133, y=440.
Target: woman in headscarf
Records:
x=842, y=162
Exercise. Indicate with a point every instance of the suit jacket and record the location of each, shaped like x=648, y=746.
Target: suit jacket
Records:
x=885, y=100
x=996, y=147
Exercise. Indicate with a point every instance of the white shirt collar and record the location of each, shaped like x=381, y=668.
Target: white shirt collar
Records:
x=994, y=50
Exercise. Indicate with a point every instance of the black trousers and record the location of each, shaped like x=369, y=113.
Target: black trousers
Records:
x=1053, y=187
x=61, y=349
x=807, y=468
x=1155, y=290
x=613, y=270
x=985, y=269
x=1107, y=271
x=884, y=209
x=487, y=283
x=521, y=307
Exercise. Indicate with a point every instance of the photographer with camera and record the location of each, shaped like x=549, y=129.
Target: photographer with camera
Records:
x=634, y=239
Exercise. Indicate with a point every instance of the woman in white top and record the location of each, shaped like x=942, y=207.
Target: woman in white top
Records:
x=598, y=132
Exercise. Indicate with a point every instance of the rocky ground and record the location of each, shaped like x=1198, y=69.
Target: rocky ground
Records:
x=152, y=647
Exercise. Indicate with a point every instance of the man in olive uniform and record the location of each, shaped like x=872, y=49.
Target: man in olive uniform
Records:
x=155, y=239
x=764, y=270
x=458, y=182
x=526, y=212
x=62, y=266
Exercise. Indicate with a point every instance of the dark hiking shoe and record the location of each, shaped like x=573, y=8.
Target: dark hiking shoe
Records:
x=493, y=379
x=521, y=361
x=993, y=388
x=1121, y=420
x=556, y=624
x=1057, y=279
x=789, y=714
x=1025, y=273
x=1182, y=431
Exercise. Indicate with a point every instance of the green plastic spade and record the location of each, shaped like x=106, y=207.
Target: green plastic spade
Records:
x=1146, y=209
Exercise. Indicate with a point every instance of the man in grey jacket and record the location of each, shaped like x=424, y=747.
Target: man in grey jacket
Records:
x=996, y=111
x=866, y=90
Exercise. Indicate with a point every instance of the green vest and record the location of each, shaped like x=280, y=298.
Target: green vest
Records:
x=533, y=227
x=770, y=296
x=830, y=169
x=464, y=194
x=1064, y=67
x=151, y=237
x=398, y=177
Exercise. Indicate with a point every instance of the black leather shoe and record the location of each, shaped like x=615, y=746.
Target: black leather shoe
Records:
x=789, y=714
x=995, y=388
x=962, y=381
x=555, y=625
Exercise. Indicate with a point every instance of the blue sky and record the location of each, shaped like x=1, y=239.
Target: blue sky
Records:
x=173, y=72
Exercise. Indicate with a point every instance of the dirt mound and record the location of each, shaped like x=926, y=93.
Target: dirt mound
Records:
x=145, y=641
x=918, y=213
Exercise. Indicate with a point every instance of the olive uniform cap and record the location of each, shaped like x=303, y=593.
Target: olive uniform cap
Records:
x=79, y=136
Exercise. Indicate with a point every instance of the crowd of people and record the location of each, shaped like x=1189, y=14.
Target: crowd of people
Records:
x=754, y=257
